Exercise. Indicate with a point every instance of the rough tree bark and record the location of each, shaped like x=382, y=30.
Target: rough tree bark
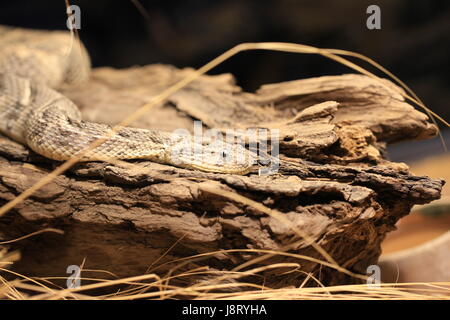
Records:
x=334, y=182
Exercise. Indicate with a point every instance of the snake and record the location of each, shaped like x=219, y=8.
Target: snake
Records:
x=34, y=64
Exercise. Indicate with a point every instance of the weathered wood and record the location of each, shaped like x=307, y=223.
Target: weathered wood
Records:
x=334, y=183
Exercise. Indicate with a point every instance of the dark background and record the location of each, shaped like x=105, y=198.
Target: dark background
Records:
x=413, y=42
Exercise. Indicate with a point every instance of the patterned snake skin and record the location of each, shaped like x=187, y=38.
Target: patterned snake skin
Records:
x=33, y=64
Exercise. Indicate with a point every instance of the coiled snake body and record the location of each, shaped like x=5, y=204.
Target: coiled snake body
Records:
x=35, y=63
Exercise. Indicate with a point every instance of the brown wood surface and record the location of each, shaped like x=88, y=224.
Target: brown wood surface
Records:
x=334, y=182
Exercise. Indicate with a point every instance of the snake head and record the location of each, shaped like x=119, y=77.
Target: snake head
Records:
x=210, y=155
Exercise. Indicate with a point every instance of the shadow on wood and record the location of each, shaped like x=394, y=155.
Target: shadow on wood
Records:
x=334, y=182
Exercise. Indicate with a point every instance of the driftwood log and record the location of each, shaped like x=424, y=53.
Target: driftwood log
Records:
x=334, y=182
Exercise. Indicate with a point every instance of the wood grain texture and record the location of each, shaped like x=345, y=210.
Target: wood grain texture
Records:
x=334, y=182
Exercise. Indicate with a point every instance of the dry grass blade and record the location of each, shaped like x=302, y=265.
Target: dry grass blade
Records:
x=279, y=216
x=271, y=46
x=19, y=289
x=33, y=234
x=402, y=291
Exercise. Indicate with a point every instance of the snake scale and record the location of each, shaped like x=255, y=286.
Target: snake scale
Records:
x=35, y=63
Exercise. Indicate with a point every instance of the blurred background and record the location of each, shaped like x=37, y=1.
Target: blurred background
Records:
x=413, y=43
x=414, y=40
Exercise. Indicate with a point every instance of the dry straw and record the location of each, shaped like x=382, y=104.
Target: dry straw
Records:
x=152, y=286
